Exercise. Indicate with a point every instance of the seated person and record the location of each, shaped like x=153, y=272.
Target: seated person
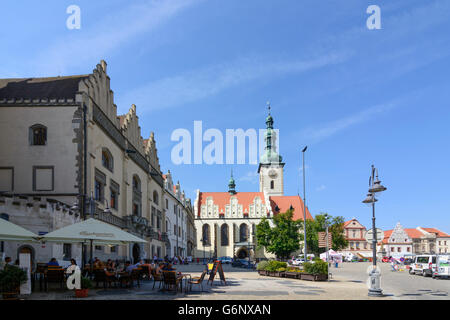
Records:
x=98, y=264
x=73, y=266
x=141, y=263
x=110, y=265
x=129, y=267
x=159, y=268
x=53, y=262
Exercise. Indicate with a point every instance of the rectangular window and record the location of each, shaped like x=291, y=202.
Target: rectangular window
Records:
x=399, y=249
x=98, y=248
x=136, y=209
x=174, y=229
x=113, y=202
x=2, y=246
x=365, y=245
x=392, y=249
x=113, y=249
x=43, y=178
x=153, y=251
x=158, y=223
x=67, y=251
x=158, y=252
x=408, y=249
x=114, y=194
x=6, y=178
x=167, y=204
x=99, y=191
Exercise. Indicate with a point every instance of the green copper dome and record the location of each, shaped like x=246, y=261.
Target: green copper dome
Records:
x=270, y=157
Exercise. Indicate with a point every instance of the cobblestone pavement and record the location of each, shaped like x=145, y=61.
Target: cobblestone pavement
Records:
x=241, y=284
x=400, y=284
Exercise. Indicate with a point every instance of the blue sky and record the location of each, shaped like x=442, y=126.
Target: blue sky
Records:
x=354, y=96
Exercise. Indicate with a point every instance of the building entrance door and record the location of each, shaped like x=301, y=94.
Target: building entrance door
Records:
x=136, y=253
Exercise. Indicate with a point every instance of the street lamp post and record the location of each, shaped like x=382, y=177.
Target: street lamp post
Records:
x=375, y=186
x=304, y=206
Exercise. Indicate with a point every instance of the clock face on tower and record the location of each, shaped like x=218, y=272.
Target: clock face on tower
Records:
x=273, y=174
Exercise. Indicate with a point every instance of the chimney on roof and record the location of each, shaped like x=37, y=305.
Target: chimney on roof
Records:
x=103, y=64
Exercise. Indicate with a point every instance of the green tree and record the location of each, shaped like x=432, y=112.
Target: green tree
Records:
x=335, y=229
x=283, y=238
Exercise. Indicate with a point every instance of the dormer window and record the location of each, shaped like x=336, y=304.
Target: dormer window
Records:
x=38, y=135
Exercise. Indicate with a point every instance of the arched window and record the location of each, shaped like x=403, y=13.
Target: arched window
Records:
x=107, y=159
x=155, y=197
x=224, y=235
x=272, y=184
x=243, y=233
x=206, y=236
x=136, y=183
x=38, y=135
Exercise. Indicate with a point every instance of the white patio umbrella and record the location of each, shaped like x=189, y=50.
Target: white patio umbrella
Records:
x=13, y=232
x=93, y=231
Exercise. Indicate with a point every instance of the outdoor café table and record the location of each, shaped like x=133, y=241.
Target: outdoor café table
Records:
x=186, y=277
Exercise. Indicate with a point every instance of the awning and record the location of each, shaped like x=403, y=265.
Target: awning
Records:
x=92, y=229
x=13, y=232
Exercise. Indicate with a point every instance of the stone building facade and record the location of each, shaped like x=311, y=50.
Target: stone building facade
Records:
x=178, y=212
x=354, y=232
x=226, y=221
x=62, y=139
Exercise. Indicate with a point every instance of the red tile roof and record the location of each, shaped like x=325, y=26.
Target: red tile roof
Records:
x=285, y=202
x=246, y=198
x=223, y=198
x=438, y=232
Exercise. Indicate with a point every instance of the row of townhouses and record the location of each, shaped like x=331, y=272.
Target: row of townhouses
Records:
x=66, y=155
x=397, y=242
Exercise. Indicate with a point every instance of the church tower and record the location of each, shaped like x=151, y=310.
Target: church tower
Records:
x=270, y=165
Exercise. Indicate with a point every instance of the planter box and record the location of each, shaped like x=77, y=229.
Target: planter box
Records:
x=293, y=275
x=262, y=272
x=313, y=277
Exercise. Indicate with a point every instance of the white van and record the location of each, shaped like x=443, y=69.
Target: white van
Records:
x=442, y=269
x=423, y=264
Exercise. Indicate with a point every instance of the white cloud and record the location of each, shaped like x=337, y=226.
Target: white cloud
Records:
x=111, y=32
x=321, y=188
x=207, y=81
x=251, y=176
x=318, y=133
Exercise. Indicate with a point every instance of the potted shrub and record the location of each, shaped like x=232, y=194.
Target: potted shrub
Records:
x=317, y=271
x=86, y=284
x=274, y=266
x=293, y=272
x=11, y=277
x=261, y=267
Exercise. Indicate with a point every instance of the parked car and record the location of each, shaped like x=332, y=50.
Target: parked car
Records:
x=297, y=262
x=243, y=263
x=225, y=260
x=423, y=264
x=442, y=269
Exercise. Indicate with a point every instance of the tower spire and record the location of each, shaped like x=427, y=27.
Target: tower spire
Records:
x=232, y=184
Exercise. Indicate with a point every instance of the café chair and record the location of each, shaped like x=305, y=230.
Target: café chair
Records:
x=197, y=280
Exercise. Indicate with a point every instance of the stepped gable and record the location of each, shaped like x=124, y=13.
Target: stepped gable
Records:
x=97, y=87
x=151, y=151
x=221, y=199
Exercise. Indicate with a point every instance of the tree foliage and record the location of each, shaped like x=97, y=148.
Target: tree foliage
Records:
x=335, y=229
x=283, y=238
